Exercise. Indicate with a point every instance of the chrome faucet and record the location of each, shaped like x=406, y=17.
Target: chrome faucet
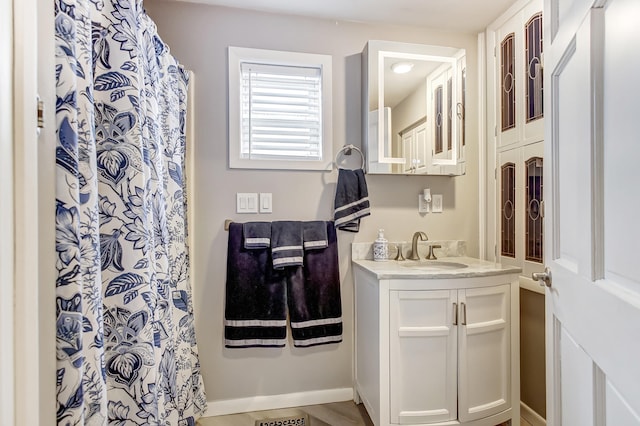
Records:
x=414, y=245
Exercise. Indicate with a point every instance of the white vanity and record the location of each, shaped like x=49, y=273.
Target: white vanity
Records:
x=437, y=341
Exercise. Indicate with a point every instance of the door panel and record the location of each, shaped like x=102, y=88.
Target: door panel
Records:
x=509, y=223
x=593, y=304
x=577, y=383
x=484, y=352
x=7, y=361
x=621, y=206
x=531, y=73
x=531, y=209
x=619, y=412
x=572, y=151
x=407, y=151
x=423, y=363
x=420, y=149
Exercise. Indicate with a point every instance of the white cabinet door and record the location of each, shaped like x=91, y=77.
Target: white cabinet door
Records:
x=408, y=140
x=420, y=148
x=450, y=354
x=591, y=167
x=414, y=149
x=484, y=352
x=423, y=364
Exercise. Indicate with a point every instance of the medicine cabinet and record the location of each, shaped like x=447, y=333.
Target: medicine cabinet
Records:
x=413, y=108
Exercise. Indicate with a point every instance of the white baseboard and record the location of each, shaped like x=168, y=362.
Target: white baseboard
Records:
x=273, y=402
x=531, y=416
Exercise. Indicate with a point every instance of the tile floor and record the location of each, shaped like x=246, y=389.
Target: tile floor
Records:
x=334, y=414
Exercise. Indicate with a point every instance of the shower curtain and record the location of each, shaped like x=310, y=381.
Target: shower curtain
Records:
x=125, y=340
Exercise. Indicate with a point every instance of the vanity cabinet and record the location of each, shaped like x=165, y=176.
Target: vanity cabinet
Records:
x=437, y=351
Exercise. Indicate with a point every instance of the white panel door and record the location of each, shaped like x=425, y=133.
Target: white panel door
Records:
x=423, y=363
x=591, y=153
x=7, y=362
x=484, y=352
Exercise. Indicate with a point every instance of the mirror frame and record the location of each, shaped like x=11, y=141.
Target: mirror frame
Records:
x=373, y=61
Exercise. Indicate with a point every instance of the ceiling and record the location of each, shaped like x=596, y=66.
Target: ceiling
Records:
x=456, y=15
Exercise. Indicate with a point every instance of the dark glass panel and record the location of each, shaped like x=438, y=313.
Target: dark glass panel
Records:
x=508, y=203
x=507, y=60
x=438, y=121
x=449, y=112
x=533, y=221
x=534, y=95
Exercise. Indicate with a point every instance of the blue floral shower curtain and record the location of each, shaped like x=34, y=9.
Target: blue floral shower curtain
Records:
x=126, y=347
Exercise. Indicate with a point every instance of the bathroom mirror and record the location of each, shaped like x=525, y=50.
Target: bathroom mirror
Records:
x=417, y=92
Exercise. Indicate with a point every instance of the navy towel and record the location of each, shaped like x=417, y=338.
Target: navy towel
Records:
x=257, y=296
x=314, y=235
x=255, y=299
x=257, y=235
x=286, y=244
x=313, y=295
x=352, y=200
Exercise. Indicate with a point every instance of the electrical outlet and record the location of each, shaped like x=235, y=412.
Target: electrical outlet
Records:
x=423, y=206
x=436, y=199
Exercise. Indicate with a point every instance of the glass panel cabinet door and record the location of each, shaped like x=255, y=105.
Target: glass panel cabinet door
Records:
x=533, y=66
x=508, y=84
x=533, y=39
x=508, y=207
x=533, y=219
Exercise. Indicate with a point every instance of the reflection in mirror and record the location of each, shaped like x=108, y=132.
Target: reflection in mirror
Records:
x=415, y=91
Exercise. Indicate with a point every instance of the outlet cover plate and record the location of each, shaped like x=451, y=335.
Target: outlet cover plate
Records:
x=436, y=203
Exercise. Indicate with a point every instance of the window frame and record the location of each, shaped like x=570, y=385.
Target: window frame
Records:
x=239, y=55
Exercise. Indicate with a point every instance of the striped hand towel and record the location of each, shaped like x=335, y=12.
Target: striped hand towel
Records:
x=352, y=200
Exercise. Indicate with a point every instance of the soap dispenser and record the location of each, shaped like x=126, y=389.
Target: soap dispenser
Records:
x=380, y=247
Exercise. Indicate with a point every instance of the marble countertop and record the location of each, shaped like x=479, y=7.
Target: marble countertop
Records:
x=443, y=267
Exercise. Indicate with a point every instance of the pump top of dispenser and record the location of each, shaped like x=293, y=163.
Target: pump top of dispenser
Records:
x=381, y=237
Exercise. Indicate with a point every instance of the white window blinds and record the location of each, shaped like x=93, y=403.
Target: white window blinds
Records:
x=281, y=112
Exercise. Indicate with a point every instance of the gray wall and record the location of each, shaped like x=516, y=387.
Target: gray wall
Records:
x=199, y=36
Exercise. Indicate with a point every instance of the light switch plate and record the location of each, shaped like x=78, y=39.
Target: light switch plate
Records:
x=246, y=202
x=266, y=202
x=436, y=203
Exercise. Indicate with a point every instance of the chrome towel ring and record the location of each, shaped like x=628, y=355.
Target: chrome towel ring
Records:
x=346, y=150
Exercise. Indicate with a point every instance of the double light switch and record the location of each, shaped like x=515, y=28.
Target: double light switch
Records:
x=249, y=202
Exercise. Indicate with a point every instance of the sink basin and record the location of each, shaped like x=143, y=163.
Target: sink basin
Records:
x=432, y=265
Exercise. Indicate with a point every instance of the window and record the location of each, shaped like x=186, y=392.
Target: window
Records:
x=279, y=110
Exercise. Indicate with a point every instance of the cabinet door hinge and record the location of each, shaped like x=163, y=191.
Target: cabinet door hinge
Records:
x=40, y=113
